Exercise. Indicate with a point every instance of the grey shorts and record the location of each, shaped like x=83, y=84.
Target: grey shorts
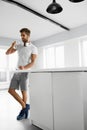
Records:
x=20, y=80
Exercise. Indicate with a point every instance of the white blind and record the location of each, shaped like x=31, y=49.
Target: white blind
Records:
x=54, y=57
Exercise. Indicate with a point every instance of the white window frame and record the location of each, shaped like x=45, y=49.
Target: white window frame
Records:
x=82, y=52
x=47, y=47
x=5, y=70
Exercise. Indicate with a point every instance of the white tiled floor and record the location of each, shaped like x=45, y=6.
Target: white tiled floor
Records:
x=9, y=109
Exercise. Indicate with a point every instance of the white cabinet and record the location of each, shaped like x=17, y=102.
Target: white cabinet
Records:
x=41, y=100
x=56, y=100
x=68, y=107
x=83, y=83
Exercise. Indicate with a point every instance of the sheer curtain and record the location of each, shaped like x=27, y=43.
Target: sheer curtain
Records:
x=7, y=64
x=54, y=57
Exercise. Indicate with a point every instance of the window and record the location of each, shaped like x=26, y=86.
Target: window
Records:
x=59, y=56
x=54, y=57
x=3, y=59
x=13, y=58
x=49, y=57
x=3, y=66
x=83, y=49
x=3, y=77
x=7, y=64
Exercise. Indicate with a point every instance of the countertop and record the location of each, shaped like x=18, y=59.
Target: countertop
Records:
x=65, y=69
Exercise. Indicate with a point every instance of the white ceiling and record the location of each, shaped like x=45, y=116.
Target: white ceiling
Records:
x=13, y=18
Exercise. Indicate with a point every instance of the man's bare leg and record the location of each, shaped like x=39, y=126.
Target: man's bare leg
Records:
x=24, y=95
x=17, y=97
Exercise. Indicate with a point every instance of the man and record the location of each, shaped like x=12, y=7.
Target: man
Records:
x=27, y=54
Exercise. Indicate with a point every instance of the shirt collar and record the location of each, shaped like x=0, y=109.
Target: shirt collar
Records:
x=27, y=44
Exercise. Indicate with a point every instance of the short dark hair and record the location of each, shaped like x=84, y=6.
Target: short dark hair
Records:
x=26, y=30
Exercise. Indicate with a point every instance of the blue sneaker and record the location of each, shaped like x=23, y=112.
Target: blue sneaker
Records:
x=27, y=109
x=28, y=106
x=22, y=114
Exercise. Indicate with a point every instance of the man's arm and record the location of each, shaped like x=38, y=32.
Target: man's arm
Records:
x=11, y=49
x=33, y=58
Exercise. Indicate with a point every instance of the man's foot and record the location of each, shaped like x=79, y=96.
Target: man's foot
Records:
x=28, y=106
x=22, y=114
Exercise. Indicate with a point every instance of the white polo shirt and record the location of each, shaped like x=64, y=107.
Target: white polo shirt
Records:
x=24, y=53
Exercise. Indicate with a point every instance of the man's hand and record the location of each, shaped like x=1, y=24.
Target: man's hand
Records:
x=21, y=67
x=11, y=49
x=13, y=44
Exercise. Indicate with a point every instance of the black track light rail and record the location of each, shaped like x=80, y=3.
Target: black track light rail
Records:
x=35, y=12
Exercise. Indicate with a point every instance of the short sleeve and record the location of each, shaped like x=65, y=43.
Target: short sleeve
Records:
x=34, y=50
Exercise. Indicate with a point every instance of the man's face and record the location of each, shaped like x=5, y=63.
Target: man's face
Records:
x=24, y=37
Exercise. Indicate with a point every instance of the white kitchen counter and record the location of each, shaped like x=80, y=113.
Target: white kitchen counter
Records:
x=65, y=69
x=58, y=98
x=71, y=69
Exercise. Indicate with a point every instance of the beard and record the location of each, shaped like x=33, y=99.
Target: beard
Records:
x=24, y=40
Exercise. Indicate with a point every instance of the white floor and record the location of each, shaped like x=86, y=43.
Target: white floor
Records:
x=9, y=109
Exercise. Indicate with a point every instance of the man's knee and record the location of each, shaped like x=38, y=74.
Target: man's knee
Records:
x=11, y=90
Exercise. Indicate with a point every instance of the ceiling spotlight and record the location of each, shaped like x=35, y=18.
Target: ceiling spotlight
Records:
x=76, y=1
x=54, y=8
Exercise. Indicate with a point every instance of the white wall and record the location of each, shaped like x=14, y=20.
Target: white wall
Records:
x=64, y=36
x=6, y=41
